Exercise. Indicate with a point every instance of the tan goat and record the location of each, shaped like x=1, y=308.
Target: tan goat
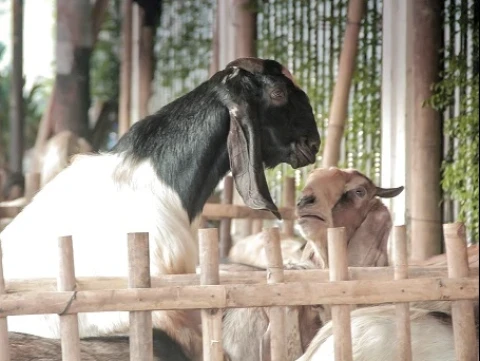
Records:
x=336, y=197
x=332, y=197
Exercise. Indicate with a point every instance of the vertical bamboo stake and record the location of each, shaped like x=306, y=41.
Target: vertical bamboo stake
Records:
x=32, y=185
x=141, y=335
x=209, y=275
x=69, y=335
x=275, y=275
x=402, y=309
x=289, y=201
x=126, y=70
x=338, y=261
x=4, y=344
x=17, y=120
x=341, y=91
x=145, y=69
x=463, y=316
x=425, y=129
x=226, y=223
x=257, y=225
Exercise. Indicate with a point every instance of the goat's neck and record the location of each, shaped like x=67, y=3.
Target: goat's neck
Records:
x=186, y=141
x=316, y=250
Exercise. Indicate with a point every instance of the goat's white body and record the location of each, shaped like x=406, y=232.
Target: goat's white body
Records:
x=97, y=200
x=374, y=337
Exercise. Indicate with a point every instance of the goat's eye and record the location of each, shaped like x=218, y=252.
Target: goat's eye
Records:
x=277, y=94
x=360, y=192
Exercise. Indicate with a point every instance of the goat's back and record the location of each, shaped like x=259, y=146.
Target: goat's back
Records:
x=25, y=347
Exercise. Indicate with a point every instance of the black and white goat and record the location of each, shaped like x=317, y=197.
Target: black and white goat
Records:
x=157, y=179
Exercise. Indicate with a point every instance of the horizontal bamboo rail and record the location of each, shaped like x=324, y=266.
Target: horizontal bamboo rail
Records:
x=224, y=296
x=215, y=211
x=230, y=278
x=218, y=211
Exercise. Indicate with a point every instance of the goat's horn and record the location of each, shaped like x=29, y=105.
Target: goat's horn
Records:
x=389, y=192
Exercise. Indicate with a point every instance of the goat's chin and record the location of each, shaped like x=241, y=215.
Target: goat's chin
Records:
x=312, y=228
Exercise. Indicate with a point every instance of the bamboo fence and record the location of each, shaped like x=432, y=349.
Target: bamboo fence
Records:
x=277, y=289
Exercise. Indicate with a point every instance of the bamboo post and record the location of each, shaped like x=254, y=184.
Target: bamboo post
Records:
x=425, y=157
x=257, y=225
x=145, y=71
x=126, y=70
x=289, y=201
x=141, y=336
x=69, y=334
x=209, y=275
x=463, y=316
x=402, y=309
x=275, y=275
x=17, y=121
x=341, y=91
x=4, y=343
x=32, y=185
x=226, y=223
x=338, y=261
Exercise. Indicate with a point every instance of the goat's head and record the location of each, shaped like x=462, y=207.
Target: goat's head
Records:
x=336, y=197
x=264, y=100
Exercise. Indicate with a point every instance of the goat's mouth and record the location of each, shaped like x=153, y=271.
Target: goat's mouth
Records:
x=306, y=217
x=302, y=156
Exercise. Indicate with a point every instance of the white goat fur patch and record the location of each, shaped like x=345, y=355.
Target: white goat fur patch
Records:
x=97, y=200
x=374, y=337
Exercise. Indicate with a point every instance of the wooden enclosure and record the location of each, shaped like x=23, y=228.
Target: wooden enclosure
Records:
x=340, y=286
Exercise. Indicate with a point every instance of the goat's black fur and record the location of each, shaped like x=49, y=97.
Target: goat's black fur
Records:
x=25, y=347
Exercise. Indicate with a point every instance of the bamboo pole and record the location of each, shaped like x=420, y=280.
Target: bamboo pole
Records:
x=226, y=277
x=214, y=60
x=273, y=252
x=338, y=261
x=463, y=316
x=145, y=71
x=141, y=336
x=69, y=334
x=341, y=91
x=126, y=70
x=402, y=309
x=426, y=132
x=209, y=275
x=289, y=201
x=32, y=185
x=17, y=121
x=4, y=343
x=257, y=226
x=226, y=223
x=241, y=295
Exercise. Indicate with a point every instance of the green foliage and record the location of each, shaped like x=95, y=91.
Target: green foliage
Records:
x=456, y=95
x=308, y=36
x=34, y=102
x=183, y=47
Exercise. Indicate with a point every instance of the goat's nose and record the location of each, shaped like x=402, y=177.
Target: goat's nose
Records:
x=305, y=201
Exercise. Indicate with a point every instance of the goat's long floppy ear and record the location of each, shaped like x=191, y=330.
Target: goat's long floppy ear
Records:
x=388, y=192
x=244, y=149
